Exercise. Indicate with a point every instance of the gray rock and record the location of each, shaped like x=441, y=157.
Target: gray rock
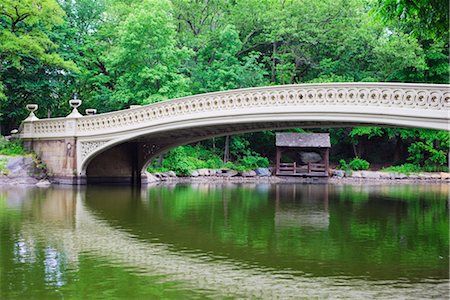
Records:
x=356, y=174
x=171, y=174
x=338, y=173
x=227, y=173
x=398, y=176
x=203, y=172
x=370, y=174
x=385, y=175
x=250, y=173
x=194, y=173
x=310, y=157
x=149, y=178
x=262, y=172
x=24, y=166
x=43, y=183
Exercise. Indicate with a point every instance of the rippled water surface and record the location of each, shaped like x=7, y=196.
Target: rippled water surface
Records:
x=225, y=241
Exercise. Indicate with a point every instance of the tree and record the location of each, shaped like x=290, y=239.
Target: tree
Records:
x=27, y=52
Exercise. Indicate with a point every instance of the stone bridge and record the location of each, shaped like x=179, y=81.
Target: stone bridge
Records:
x=117, y=146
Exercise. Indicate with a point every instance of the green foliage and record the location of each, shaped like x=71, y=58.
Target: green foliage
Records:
x=411, y=168
x=11, y=148
x=359, y=164
x=254, y=161
x=343, y=165
x=355, y=164
x=3, y=163
x=182, y=160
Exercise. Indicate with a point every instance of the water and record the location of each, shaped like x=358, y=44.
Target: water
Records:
x=225, y=241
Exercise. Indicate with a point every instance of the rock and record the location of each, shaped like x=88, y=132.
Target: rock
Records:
x=423, y=176
x=250, y=173
x=385, y=175
x=149, y=178
x=194, y=173
x=356, y=174
x=43, y=183
x=413, y=176
x=203, y=172
x=435, y=176
x=20, y=166
x=398, y=176
x=338, y=173
x=171, y=174
x=445, y=175
x=262, y=172
x=310, y=157
x=227, y=173
x=370, y=174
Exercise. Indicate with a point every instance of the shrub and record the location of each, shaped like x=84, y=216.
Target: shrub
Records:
x=11, y=148
x=358, y=164
x=354, y=164
x=254, y=161
x=3, y=163
x=412, y=168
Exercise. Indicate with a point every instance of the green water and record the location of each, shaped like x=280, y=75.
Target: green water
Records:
x=225, y=241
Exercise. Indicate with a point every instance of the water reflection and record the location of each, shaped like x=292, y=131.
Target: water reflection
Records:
x=256, y=240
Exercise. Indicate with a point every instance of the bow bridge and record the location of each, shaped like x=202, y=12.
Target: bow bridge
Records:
x=117, y=146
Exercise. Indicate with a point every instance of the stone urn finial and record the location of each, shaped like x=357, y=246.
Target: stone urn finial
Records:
x=74, y=103
x=90, y=111
x=32, y=108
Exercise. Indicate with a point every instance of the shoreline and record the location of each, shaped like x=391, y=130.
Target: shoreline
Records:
x=289, y=180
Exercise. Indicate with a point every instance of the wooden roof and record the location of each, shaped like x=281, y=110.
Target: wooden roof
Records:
x=294, y=139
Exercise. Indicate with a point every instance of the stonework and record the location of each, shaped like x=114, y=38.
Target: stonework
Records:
x=202, y=116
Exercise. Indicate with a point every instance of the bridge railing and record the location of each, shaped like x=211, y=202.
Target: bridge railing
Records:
x=419, y=97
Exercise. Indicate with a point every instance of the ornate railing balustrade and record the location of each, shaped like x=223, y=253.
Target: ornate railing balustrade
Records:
x=420, y=100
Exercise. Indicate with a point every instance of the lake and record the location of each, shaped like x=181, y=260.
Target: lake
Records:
x=200, y=241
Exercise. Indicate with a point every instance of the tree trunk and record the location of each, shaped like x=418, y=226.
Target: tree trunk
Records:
x=274, y=52
x=226, y=152
x=160, y=160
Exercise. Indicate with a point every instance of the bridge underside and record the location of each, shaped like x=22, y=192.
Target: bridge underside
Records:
x=126, y=162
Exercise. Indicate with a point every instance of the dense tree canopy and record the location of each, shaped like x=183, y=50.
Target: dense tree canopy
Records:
x=115, y=53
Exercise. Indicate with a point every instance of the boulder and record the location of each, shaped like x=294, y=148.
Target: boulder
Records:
x=356, y=174
x=194, y=173
x=203, y=172
x=445, y=175
x=171, y=174
x=250, y=173
x=227, y=173
x=370, y=174
x=385, y=175
x=20, y=166
x=310, y=157
x=149, y=178
x=398, y=176
x=262, y=172
x=338, y=173
x=43, y=183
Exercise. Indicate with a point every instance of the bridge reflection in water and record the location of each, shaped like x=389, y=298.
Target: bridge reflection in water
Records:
x=246, y=240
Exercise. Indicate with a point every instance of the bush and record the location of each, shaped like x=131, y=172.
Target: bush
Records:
x=359, y=164
x=412, y=168
x=11, y=148
x=3, y=163
x=254, y=161
x=355, y=164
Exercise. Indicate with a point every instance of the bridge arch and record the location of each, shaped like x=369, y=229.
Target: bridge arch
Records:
x=145, y=131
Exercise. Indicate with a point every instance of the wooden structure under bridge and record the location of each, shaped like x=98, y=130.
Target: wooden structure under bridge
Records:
x=311, y=154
